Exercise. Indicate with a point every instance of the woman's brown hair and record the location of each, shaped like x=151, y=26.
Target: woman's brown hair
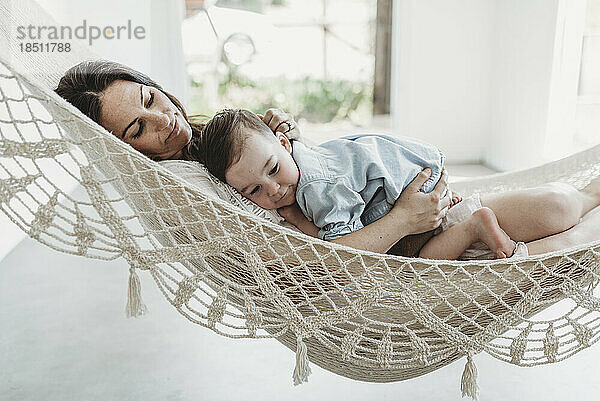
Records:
x=83, y=84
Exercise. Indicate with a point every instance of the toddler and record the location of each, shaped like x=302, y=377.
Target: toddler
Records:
x=341, y=185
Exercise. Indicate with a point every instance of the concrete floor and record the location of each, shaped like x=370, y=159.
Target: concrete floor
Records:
x=64, y=337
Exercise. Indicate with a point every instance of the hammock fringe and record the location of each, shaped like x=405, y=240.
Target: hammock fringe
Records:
x=135, y=305
x=468, y=383
x=302, y=369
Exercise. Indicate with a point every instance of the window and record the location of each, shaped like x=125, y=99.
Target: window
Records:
x=312, y=58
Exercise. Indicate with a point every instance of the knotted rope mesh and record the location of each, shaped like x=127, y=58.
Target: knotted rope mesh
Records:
x=73, y=186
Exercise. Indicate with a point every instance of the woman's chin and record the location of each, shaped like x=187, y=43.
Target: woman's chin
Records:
x=187, y=132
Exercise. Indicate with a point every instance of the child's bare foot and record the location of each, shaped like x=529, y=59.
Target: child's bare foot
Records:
x=455, y=199
x=485, y=223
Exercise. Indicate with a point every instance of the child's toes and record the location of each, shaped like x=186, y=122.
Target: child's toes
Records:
x=455, y=200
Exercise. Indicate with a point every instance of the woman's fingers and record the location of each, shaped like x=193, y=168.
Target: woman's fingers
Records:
x=443, y=210
x=268, y=116
x=444, y=203
x=441, y=188
x=279, y=121
x=417, y=182
x=442, y=184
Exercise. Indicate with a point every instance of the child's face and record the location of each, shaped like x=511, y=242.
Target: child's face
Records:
x=266, y=172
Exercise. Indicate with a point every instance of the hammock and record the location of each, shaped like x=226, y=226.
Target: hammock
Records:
x=363, y=315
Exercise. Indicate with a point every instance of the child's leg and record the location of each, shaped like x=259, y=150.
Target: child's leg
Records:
x=530, y=214
x=481, y=226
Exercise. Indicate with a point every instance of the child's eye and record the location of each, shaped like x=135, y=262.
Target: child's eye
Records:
x=255, y=190
x=274, y=169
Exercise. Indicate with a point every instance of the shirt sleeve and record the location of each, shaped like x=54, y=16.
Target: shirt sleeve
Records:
x=334, y=207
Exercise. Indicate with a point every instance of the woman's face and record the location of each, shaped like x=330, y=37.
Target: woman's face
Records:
x=145, y=118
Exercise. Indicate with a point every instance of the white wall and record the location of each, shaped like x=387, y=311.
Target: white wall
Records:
x=441, y=73
x=492, y=81
x=562, y=109
x=166, y=49
x=159, y=54
x=523, y=42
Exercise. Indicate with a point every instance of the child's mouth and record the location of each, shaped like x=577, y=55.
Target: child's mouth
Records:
x=284, y=194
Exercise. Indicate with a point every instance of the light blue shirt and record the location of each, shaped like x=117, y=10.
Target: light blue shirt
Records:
x=350, y=182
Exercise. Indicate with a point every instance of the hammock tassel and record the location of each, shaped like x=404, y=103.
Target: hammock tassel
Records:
x=581, y=332
x=135, y=306
x=216, y=311
x=551, y=344
x=468, y=384
x=302, y=370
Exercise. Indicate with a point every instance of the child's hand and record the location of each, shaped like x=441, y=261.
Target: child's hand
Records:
x=292, y=214
x=455, y=199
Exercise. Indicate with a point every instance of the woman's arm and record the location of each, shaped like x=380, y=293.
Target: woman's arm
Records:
x=414, y=212
x=378, y=236
x=293, y=215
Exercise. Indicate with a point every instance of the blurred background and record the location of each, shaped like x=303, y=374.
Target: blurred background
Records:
x=313, y=58
x=503, y=84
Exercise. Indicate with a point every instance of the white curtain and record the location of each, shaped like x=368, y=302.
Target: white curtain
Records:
x=159, y=54
x=167, y=64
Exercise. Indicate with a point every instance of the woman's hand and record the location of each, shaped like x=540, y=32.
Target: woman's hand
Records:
x=279, y=121
x=418, y=211
x=414, y=212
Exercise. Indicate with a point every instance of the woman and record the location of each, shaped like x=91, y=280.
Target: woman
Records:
x=138, y=111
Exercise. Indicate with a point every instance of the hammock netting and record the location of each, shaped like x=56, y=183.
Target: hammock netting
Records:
x=366, y=316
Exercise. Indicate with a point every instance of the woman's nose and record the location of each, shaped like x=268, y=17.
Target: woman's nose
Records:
x=159, y=119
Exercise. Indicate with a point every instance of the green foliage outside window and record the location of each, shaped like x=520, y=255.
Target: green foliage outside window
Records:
x=315, y=100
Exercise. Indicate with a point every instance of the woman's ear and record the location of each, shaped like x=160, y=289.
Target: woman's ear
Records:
x=284, y=141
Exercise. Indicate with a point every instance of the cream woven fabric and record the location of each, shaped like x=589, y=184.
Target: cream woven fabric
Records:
x=363, y=315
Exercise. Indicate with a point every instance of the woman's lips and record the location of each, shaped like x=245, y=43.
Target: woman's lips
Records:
x=174, y=131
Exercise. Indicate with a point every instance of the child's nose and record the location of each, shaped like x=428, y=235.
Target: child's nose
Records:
x=273, y=188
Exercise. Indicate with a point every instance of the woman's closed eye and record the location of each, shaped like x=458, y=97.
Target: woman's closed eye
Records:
x=141, y=123
x=151, y=100
x=137, y=134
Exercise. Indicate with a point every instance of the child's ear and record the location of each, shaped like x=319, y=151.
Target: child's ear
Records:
x=284, y=141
